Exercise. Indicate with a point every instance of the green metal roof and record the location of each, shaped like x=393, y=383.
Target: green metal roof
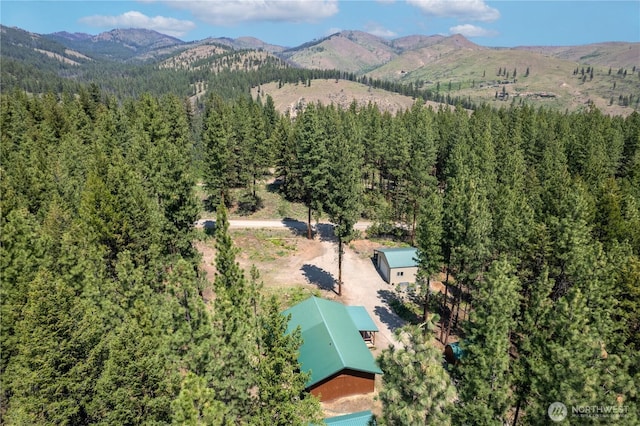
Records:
x=400, y=257
x=361, y=418
x=361, y=318
x=331, y=340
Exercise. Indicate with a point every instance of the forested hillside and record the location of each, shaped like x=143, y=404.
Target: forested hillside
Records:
x=103, y=315
x=533, y=214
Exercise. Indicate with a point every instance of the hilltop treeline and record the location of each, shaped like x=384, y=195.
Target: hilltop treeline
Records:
x=533, y=214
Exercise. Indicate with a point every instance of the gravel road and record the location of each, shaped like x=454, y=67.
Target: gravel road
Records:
x=271, y=223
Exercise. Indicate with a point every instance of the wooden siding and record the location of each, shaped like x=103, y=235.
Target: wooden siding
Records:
x=345, y=383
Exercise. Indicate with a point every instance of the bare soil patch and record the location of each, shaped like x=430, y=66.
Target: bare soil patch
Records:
x=293, y=97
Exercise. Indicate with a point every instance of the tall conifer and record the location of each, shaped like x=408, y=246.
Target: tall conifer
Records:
x=416, y=388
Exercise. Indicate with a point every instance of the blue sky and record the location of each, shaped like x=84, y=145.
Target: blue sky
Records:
x=290, y=23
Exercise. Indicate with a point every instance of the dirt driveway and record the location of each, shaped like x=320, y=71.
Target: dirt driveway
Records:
x=362, y=284
x=315, y=263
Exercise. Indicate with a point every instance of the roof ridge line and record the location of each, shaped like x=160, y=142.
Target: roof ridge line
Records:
x=333, y=340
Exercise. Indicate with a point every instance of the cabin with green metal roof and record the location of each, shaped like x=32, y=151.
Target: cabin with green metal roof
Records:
x=397, y=264
x=333, y=350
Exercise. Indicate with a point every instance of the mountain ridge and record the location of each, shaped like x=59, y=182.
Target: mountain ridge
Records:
x=133, y=37
x=448, y=66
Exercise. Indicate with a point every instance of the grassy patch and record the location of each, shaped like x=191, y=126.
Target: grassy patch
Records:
x=288, y=296
x=267, y=204
x=264, y=245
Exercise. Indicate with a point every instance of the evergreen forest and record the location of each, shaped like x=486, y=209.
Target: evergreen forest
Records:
x=532, y=214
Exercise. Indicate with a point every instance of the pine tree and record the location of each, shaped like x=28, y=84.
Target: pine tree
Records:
x=233, y=367
x=429, y=246
x=567, y=374
x=535, y=306
x=259, y=148
x=398, y=155
x=176, y=179
x=138, y=382
x=192, y=335
x=312, y=166
x=421, y=177
x=56, y=333
x=512, y=215
x=216, y=137
x=485, y=383
x=196, y=404
x=21, y=254
x=416, y=388
x=281, y=385
x=344, y=187
x=284, y=145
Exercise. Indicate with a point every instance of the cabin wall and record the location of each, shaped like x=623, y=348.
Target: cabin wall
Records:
x=345, y=383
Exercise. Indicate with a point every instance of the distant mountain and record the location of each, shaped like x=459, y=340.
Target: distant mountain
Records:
x=352, y=51
x=362, y=53
x=415, y=41
x=615, y=54
x=568, y=77
x=246, y=43
x=63, y=35
x=31, y=48
x=448, y=67
x=120, y=44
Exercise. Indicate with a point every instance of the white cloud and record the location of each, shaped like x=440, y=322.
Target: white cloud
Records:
x=469, y=30
x=133, y=19
x=475, y=10
x=379, y=30
x=230, y=12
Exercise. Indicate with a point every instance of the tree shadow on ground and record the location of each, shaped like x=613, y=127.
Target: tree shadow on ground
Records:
x=388, y=317
x=209, y=227
x=318, y=276
x=394, y=319
x=274, y=186
x=324, y=231
x=297, y=227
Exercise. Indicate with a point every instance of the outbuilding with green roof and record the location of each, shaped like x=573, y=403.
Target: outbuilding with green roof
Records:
x=333, y=350
x=397, y=264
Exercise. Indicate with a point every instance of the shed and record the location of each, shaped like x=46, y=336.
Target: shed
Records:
x=333, y=350
x=397, y=265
